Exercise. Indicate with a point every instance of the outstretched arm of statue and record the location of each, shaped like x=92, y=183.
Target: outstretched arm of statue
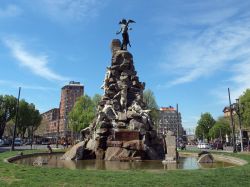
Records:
x=118, y=32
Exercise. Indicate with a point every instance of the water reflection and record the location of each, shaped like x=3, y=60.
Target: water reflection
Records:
x=184, y=163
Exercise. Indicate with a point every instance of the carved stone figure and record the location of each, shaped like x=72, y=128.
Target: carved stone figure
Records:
x=107, y=77
x=123, y=100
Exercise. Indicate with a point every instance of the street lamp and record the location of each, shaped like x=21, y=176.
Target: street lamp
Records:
x=57, y=130
x=16, y=122
x=177, y=120
x=239, y=109
x=232, y=122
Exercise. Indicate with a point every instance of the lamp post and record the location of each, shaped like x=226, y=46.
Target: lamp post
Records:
x=239, y=113
x=232, y=122
x=177, y=120
x=57, y=131
x=16, y=123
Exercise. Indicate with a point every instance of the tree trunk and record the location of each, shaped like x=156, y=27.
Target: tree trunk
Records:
x=2, y=127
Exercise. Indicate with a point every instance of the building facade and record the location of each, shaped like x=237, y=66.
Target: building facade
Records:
x=170, y=120
x=56, y=120
x=51, y=121
x=226, y=111
x=69, y=95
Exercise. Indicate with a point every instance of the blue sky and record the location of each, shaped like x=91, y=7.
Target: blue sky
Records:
x=187, y=51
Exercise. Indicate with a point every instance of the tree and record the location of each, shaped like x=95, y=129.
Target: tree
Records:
x=149, y=100
x=35, y=119
x=23, y=119
x=96, y=99
x=7, y=111
x=29, y=118
x=82, y=114
x=205, y=123
x=199, y=133
x=245, y=102
x=220, y=129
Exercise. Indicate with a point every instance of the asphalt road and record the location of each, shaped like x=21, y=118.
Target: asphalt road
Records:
x=25, y=147
x=194, y=148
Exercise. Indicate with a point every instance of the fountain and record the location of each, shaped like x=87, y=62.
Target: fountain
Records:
x=123, y=129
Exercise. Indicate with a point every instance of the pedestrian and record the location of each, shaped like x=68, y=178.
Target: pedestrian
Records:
x=49, y=148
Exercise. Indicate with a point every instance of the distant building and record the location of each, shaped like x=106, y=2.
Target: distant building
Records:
x=169, y=120
x=56, y=120
x=226, y=111
x=51, y=120
x=69, y=95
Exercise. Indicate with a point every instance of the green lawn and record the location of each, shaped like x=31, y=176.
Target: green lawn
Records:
x=19, y=175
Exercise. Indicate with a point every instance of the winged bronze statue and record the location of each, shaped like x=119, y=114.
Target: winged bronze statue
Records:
x=124, y=30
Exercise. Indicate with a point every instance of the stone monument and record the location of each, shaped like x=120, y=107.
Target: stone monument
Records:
x=171, y=148
x=122, y=129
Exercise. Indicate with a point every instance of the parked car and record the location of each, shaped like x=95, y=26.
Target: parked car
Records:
x=217, y=145
x=18, y=142
x=1, y=142
x=246, y=146
x=182, y=146
x=28, y=142
x=203, y=146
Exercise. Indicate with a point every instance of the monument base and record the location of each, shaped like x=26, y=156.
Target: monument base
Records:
x=169, y=159
x=125, y=135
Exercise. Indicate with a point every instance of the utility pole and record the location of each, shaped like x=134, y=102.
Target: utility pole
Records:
x=16, y=122
x=58, y=123
x=232, y=122
x=32, y=137
x=177, y=120
x=240, y=124
x=220, y=136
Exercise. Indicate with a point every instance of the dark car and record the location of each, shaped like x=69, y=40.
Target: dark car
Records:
x=246, y=146
x=217, y=145
x=5, y=142
x=182, y=146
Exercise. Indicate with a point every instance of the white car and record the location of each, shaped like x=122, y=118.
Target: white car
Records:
x=1, y=142
x=203, y=146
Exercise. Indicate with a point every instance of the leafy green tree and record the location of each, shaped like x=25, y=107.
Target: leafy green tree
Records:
x=96, y=99
x=220, y=129
x=81, y=114
x=29, y=118
x=23, y=118
x=205, y=123
x=35, y=119
x=199, y=133
x=7, y=111
x=149, y=100
x=245, y=102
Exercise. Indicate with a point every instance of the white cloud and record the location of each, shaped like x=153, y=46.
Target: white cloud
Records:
x=36, y=64
x=10, y=11
x=238, y=83
x=25, y=86
x=216, y=48
x=70, y=10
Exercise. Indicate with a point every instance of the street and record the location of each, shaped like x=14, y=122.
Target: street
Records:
x=27, y=147
x=194, y=148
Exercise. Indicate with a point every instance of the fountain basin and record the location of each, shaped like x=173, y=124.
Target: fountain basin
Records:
x=187, y=161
